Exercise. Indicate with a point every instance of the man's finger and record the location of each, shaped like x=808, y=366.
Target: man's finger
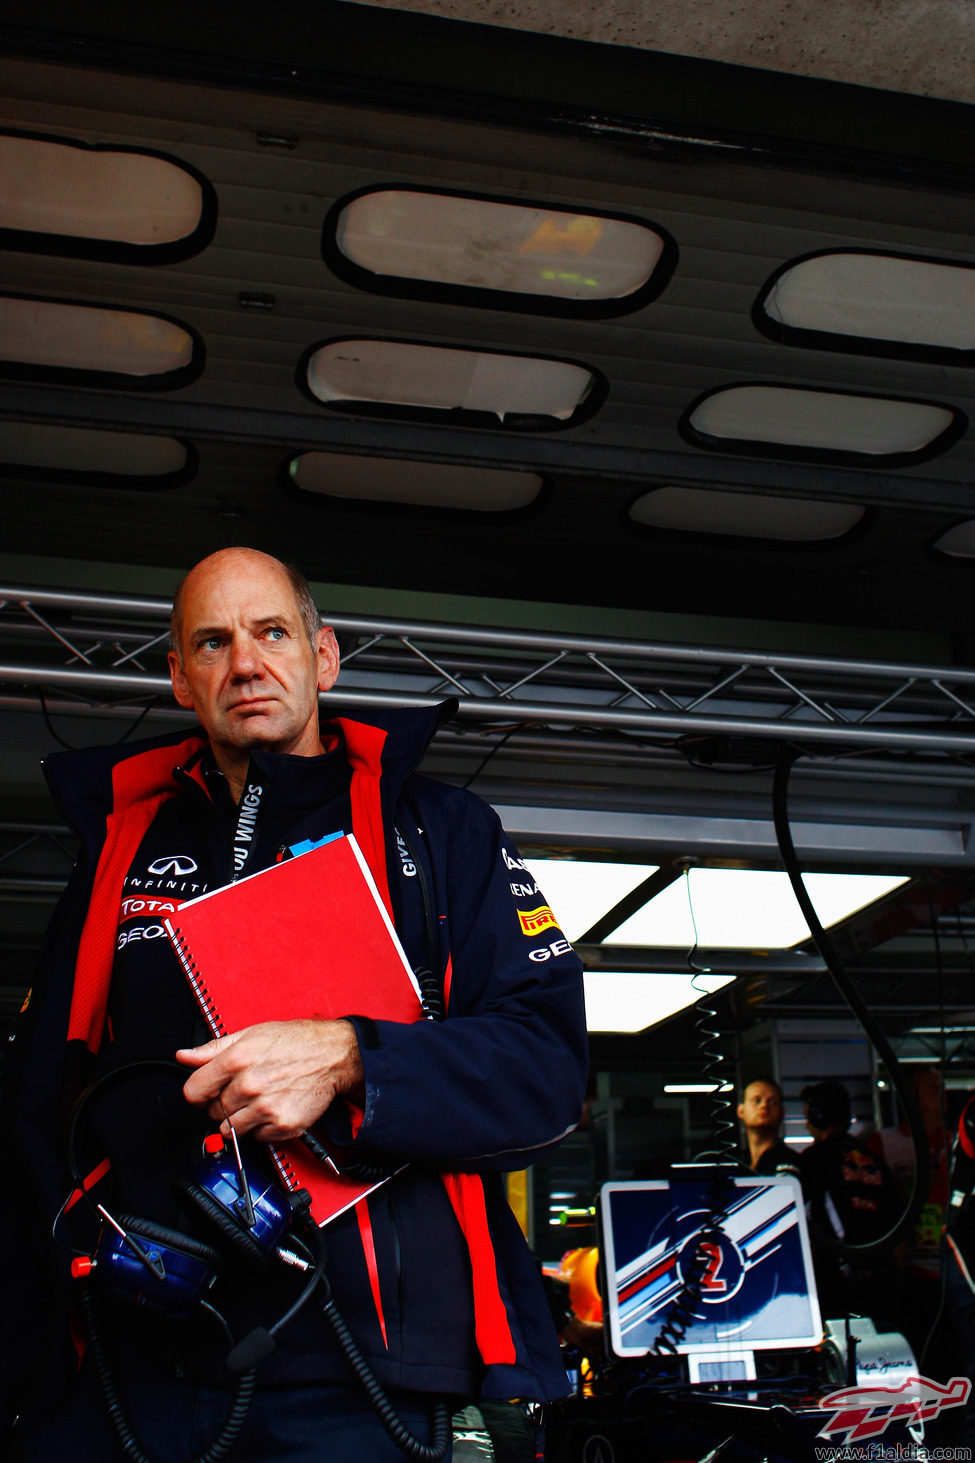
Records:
x=198, y=1056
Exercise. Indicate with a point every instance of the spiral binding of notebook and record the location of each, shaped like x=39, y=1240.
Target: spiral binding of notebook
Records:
x=198, y=984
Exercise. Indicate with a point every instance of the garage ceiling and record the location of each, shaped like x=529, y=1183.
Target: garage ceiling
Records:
x=744, y=467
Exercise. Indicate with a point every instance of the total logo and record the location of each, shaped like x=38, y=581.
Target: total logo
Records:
x=135, y=910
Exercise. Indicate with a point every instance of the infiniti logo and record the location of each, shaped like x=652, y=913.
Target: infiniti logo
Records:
x=173, y=863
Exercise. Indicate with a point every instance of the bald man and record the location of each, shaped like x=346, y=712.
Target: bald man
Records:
x=430, y=1275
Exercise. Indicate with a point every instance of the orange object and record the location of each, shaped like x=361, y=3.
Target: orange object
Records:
x=579, y=1269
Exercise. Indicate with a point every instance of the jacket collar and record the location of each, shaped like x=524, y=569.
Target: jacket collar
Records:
x=84, y=783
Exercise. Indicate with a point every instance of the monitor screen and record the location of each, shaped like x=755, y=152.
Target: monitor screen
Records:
x=755, y=1289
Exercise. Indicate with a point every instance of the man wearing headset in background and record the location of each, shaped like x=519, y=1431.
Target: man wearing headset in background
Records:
x=430, y=1272
x=851, y=1200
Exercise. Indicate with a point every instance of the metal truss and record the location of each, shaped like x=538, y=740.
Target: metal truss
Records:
x=108, y=651
x=35, y=859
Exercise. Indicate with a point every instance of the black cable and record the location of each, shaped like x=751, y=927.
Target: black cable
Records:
x=130, y=731
x=847, y=989
x=492, y=752
x=434, y=1452
x=681, y=1310
x=70, y=746
x=232, y=1424
x=50, y=725
x=430, y=983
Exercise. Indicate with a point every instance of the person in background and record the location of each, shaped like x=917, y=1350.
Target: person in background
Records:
x=760, y=1113
x=921, y=1260
x=851, y=1201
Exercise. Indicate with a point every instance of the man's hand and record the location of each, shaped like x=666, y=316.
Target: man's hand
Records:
x=277, y=1078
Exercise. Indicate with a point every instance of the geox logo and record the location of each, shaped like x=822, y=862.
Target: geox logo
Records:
x=533, y=921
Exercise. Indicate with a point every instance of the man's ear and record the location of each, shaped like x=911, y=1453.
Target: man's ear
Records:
x=327, y=656
x=181, y=686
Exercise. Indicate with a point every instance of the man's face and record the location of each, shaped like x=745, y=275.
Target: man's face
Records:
x=249, y=670
x=760, y=1106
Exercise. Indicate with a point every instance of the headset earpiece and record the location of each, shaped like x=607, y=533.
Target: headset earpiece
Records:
x=243, y=1207
x=174, y=1239
x=242, y=1243
x=151, y=1264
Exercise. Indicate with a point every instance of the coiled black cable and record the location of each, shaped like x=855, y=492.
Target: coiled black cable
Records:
x=434, y=1452
x=724, y=1133
x=229, y=1432
x=681, y=1312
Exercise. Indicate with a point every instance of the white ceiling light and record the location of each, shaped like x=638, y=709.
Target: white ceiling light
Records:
x=47, y=333
x=677, y=1088
x=877, y=297
x=485, y=244
x=820, y=421
x=52, y=187
x=746, y=515
x=580, y=891
x=428, y=484
x=746, y=909
x=627, y=1001
x=84, y=449
x=441, y=378
x=717, y=908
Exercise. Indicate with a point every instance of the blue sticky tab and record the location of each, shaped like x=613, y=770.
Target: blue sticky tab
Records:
x=308, y=844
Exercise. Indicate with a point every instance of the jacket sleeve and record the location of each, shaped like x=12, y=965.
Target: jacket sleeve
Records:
x=503, y=1077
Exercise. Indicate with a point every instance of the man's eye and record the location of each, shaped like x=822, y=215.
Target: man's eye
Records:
x=275, y=633
x=211, y=644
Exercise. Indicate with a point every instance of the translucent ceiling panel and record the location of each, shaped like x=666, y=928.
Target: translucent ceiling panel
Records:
x=103, y=196
x=822, y=422
x=502, y=247
x=440, y=378
x=580, y=891
x=88, y=450
x=745, y=515
x=629, y=1001
x=48, y=335
x=426, y=484
x=746, y=909
x=873, y=298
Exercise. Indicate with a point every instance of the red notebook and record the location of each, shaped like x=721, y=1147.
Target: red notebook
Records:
x=309, y=937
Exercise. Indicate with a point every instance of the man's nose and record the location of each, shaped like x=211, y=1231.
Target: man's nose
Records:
x=243, y=660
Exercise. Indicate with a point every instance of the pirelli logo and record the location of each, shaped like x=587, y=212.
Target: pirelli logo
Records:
x=533, y=921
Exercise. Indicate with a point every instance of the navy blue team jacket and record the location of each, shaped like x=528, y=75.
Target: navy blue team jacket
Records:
x=433, y=1276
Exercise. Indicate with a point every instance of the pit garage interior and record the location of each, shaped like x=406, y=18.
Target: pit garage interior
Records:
x=608, y=375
